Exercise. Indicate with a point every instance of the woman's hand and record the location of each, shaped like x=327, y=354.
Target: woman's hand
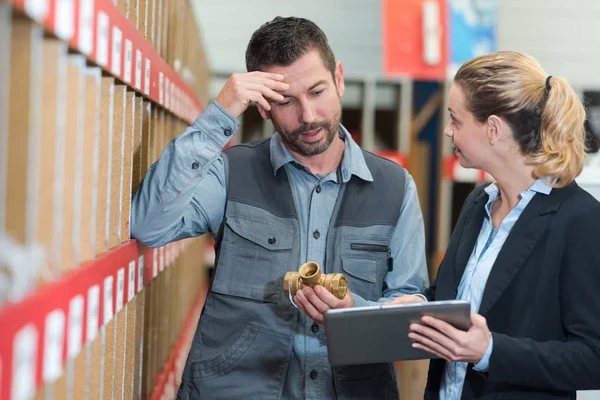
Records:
x=451, y=344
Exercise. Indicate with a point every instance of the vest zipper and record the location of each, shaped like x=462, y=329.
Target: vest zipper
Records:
x=376, y=248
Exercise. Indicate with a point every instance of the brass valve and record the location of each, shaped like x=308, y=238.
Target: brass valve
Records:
x=309, y=274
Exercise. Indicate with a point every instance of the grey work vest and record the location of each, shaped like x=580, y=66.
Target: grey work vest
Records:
x=243, y=343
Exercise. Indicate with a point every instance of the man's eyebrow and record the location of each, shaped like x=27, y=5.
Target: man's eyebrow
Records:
x=321, y=82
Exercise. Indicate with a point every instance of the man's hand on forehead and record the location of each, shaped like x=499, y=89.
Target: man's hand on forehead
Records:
x=258, y=87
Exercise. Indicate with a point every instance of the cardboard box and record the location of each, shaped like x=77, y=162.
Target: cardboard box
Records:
x=73, y=133
x=143, y=17
x=146, y=145
x=96, y=356
x=89, y=168
x=119, y=368
x=130, y=347
x=152, y=21
x=148, y=340
x=104, y=162
x=5, y=79
x=109, y=352
x=21, y=150
x=55, y=64
x=123, y=6
x=80, y=374
x=139, y=367
x=116, y=165
x=137, y=168
x=127, y=165
x=154, y=135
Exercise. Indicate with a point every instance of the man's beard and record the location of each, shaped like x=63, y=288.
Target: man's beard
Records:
x=293, y=140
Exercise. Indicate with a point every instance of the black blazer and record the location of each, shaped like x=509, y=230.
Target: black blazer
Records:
x=541, y=300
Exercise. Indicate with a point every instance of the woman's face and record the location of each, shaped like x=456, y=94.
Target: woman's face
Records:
x=468, y=136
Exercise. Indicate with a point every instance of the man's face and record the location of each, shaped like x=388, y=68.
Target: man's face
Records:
x=308, y=118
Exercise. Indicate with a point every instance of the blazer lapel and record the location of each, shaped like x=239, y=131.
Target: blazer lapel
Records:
x=521, y=241
x=468, y=237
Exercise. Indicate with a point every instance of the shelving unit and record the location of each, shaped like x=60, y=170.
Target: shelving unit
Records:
x=92, y=93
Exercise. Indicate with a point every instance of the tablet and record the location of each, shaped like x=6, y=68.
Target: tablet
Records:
x=376, y=334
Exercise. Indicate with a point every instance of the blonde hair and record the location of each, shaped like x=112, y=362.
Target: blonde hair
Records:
x=548, y=123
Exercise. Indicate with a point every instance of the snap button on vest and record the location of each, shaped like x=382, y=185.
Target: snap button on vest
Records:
x=272, y=240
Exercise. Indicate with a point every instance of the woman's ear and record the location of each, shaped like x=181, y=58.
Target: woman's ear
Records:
x=496, y=128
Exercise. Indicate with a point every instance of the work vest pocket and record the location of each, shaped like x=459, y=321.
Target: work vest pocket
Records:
x=234, y=361
x=361, y=274
x=224, y=361
x=254, y=257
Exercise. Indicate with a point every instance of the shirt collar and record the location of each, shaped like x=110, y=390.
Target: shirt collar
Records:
x=353, y=162
x=539, y=186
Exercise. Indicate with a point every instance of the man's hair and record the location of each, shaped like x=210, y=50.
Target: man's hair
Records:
x=283, y=41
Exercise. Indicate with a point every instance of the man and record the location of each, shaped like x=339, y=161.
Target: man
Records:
x=308, y=193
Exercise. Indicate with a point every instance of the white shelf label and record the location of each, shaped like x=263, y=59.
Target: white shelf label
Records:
x=140, y=274
x=24, y=363
x=167, y=93
x=75, y=326
x=86, y=24
x=117, y=38
x=102, y=39
x=147, y=78
x=131, y=285
x=120, y=288
x=155, y=263
x=53, y=345
x=93, y=312
x=162, y=259
x=37, y=9
x=138, y=70
x=64, y=21
x=108, y=299
x=160, y=88
x=128, y=61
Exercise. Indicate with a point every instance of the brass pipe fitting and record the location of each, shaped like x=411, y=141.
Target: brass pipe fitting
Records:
x=309, y=274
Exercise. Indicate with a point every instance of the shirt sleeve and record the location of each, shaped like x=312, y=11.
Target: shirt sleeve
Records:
x=183, y=194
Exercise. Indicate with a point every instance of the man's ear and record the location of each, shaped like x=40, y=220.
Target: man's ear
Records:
x=339, y=78
x=263, y=113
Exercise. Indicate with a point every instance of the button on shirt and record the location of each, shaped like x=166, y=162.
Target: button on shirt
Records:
x=474, y=279
x=177, y=201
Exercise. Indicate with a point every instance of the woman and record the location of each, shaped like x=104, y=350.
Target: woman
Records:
x=526, y=249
